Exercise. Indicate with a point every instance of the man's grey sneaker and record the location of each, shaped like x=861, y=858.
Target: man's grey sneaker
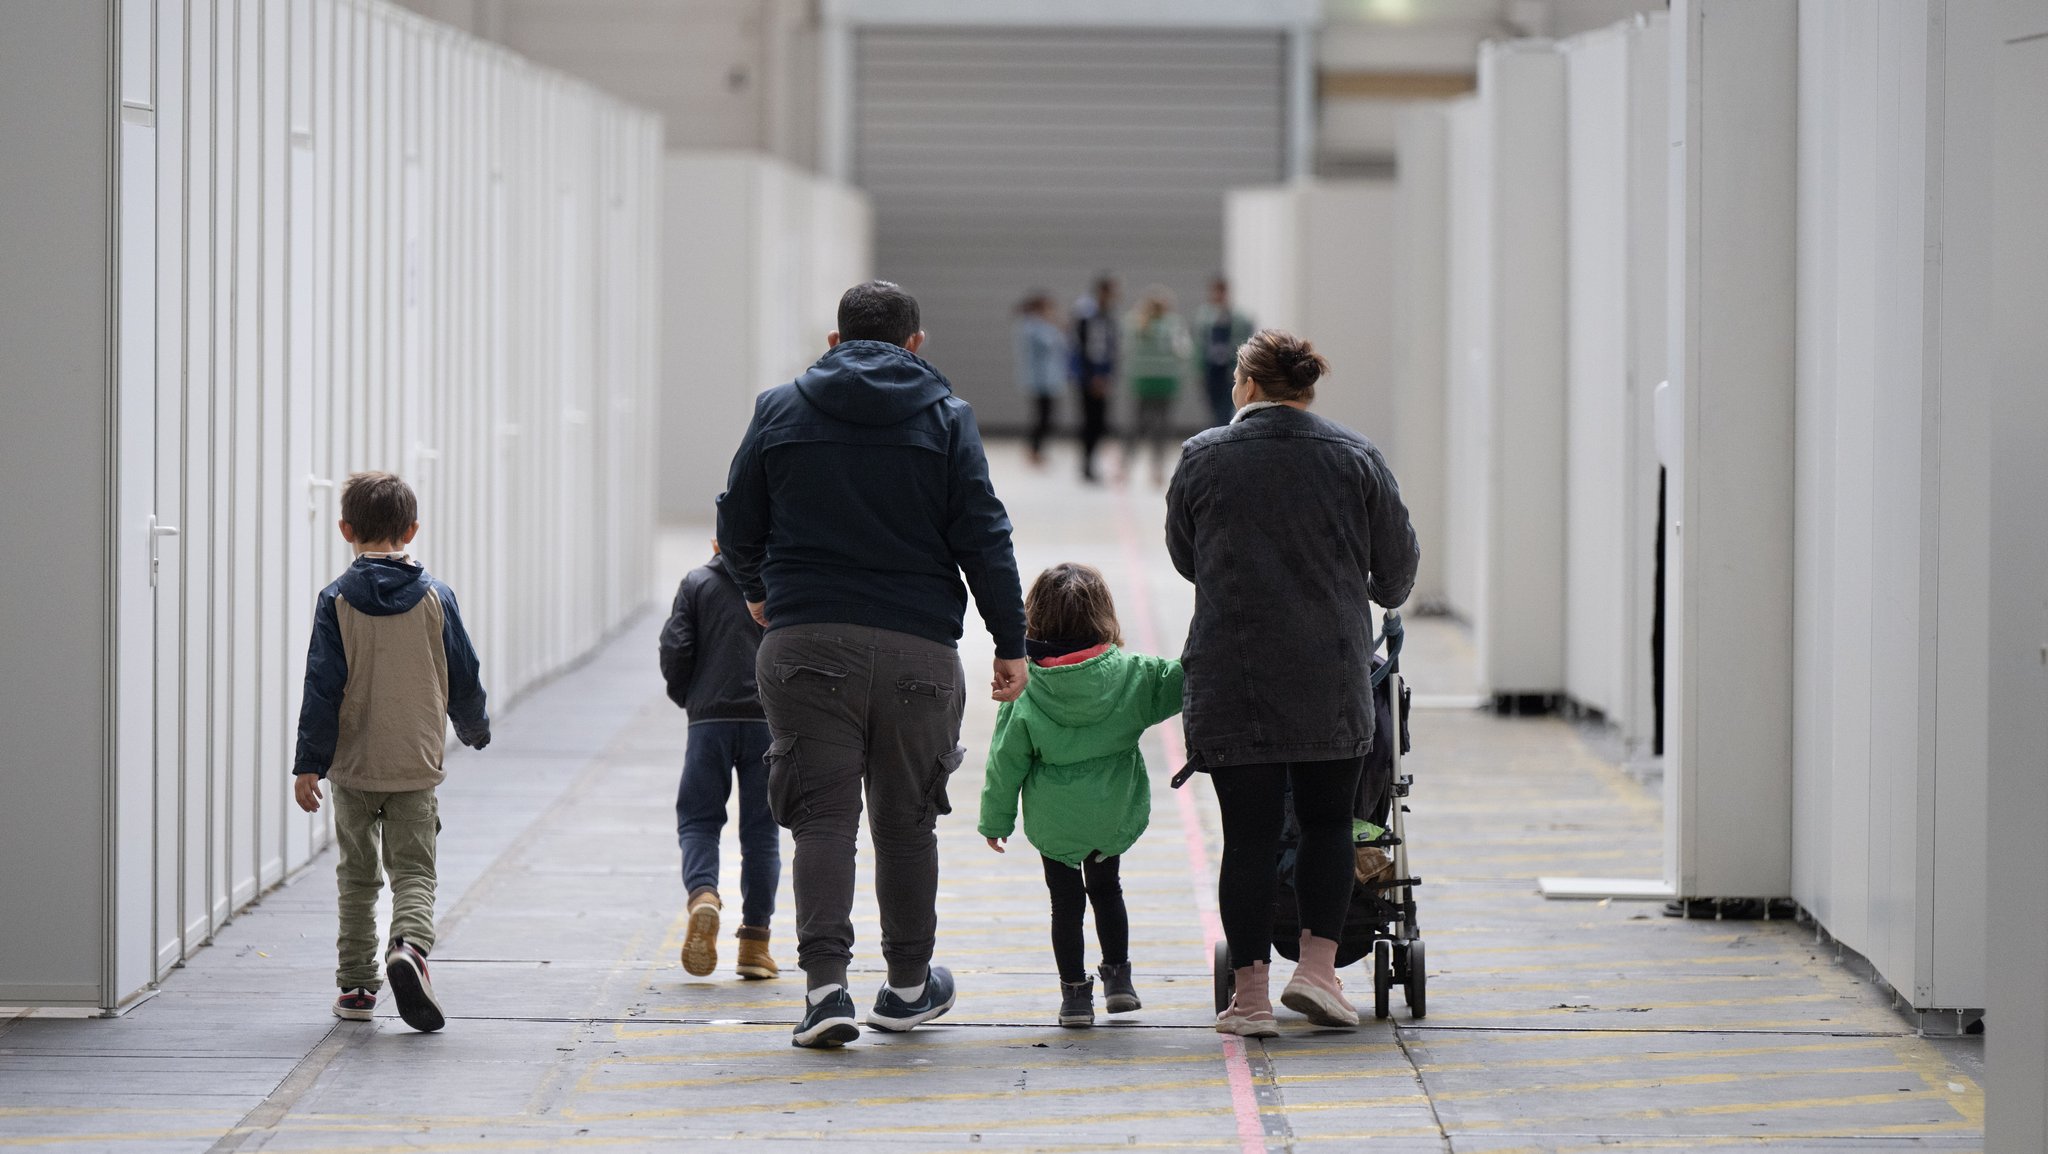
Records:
x=357, y=1005
x=1117, y=992
x=827, y=1023
x=893, y=1013
x=405, y=967
x=1077, y=1003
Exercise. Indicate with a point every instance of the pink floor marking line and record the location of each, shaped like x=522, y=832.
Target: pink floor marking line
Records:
x=1244, y=1100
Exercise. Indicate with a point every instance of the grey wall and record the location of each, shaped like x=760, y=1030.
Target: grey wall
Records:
x=56, y=110
x=1001, y=160
x=2016, y=1043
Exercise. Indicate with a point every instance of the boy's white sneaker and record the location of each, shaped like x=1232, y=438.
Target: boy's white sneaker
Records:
x=405, y=967
x=357, y=1005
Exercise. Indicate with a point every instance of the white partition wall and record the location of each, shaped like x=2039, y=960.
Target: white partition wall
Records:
x=1728, y=545
x=1615, y=357
x=2016, y=1041
x=1421, y=261
x=1894, y=488
x=343, y=238
x=756, y=256
x=1315, y=257
x=1505, y=411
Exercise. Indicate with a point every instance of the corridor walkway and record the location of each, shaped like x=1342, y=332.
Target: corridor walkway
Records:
x=1553, y=1026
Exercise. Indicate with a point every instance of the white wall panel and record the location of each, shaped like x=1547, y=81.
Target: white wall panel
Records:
x=1315, y=257
x=1728, y=548
x=1421, y=265
x=757, y=256
x=1892, y=547
x=1505, y=414
x=1615, y=90
x=346, y=239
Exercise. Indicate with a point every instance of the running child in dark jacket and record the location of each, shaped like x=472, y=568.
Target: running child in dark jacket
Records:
x=1069, y=746
x=707, y=658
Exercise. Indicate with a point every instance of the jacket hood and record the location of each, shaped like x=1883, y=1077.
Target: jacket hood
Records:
x=872, y=383
x=1081, y=695
x=382, y=587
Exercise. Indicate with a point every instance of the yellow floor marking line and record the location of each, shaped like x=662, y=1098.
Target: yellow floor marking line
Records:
x=1942, y=1077
x=1708, y=1003
x=1576, y=1060
x=809, y=1076
x=1718, y=1078
x=704, y=1109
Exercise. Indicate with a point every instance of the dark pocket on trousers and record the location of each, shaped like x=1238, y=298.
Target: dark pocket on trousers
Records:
x=788, y=671
x=785, y=784
x=935, y=793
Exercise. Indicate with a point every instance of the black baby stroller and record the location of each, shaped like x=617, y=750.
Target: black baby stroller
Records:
x=1381, y=921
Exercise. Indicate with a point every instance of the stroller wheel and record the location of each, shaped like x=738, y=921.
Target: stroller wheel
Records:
x=1226, y=979
x=1416, y=984
x=1382, y=977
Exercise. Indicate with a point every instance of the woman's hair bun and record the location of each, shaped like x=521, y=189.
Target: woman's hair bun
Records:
x=1285, y=366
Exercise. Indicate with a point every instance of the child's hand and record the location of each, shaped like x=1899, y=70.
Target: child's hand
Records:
x=306, y=791
x=996, y=844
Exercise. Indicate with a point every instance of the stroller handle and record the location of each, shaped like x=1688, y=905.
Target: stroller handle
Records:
x=1391, y=635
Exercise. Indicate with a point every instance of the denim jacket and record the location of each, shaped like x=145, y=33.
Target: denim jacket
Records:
x=1287, y=524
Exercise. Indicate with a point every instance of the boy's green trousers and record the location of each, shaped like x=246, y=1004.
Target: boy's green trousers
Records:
x=407, y=824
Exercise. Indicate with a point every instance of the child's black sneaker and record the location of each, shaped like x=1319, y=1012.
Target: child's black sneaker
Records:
x=405, y=967
x=1077, y=1003
x=894, y=1013
x=827, y=1022
x=357, y=1005
x=1117, y=992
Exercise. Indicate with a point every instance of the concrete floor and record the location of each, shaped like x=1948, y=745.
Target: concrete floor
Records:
x=1554, y=1026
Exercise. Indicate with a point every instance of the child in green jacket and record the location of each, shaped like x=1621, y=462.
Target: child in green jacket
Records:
x=1070, y=747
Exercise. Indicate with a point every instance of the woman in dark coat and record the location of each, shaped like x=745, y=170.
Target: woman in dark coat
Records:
x=1287, y=524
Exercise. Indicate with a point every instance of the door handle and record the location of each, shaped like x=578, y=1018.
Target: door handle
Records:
x=157, y=533
x=313, y=486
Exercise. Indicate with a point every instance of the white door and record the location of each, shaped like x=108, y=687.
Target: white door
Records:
x=137, y=531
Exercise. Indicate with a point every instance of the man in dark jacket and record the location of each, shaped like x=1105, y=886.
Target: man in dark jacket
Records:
x=707, y=658
x=858, y=498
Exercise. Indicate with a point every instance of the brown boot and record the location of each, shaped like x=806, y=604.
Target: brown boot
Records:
x=700, y=944
x=755, y=961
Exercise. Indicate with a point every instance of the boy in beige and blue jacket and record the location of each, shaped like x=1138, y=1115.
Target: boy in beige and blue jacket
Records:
x=389, y=658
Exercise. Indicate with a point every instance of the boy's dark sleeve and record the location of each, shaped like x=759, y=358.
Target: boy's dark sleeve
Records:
x=679, y=645
x=320, y=704
x=978, y=535
x=743, y=514
x=1395, y=552
x=465, y=686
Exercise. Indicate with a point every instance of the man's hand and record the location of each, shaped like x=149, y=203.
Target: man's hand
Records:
x=1011, y=674
x=760, y=611
x=306, y=791
x=996, y=844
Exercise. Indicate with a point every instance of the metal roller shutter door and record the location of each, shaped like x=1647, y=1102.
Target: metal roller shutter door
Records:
x=1003, y=160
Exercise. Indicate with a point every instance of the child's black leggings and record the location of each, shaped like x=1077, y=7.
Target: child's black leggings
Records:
x=1073, y=891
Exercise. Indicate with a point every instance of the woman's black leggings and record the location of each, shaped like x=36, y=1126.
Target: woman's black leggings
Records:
x=1252, y=799
x=1073, y=891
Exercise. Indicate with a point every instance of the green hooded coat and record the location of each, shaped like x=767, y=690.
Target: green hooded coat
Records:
x=1070, y=746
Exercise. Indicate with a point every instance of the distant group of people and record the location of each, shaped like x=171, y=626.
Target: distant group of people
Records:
x=816, y=654
x=1150, y=349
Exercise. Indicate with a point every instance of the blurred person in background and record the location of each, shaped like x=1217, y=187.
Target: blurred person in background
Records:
x=1041, y=364
x=1159, y=351
x=1096, y=342
x=1220, y=329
